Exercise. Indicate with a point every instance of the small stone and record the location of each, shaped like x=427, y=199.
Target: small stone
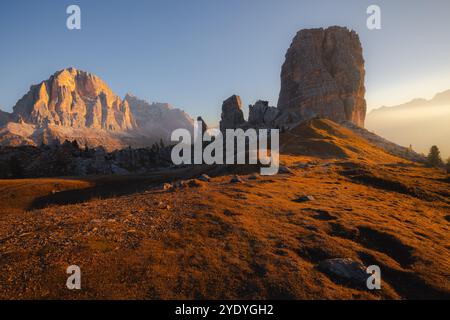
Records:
x=204, y=177
x=302, y=165
x=236, y=179
x=167, y=186
x=304, y=199
x=194, y=183
x=181, y=184
x=284, y=169
x=253, y=176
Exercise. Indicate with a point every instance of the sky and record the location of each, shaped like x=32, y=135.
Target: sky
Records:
x=196, y=53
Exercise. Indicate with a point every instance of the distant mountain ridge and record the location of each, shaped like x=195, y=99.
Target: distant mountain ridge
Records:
x=77, y=105
x=420, y=123
x=157, y=118
x=442, y=98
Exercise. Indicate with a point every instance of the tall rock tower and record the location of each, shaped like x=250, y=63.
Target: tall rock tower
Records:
x=323, y=76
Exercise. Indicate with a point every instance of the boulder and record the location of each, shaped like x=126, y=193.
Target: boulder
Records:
x=344, y=269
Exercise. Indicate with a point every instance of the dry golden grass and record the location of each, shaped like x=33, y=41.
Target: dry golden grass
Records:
x=220, y=240
x=18, y=195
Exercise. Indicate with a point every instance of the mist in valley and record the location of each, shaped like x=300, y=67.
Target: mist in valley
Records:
x=420, y=123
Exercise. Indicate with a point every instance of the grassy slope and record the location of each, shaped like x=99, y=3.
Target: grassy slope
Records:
x=247, y=240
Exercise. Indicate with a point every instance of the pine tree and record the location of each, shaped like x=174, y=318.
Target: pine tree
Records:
x=448, y=165
x=434, y=157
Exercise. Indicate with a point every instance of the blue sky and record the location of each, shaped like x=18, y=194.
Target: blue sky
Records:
x=195, y=53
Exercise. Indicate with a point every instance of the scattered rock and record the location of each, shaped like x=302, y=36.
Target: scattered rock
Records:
x=302, y=165
x=204, y=177
x=194, y=183
x=236, y=179
x=167, y=186
x=284, y=169
x=253, y=176
x=180, y=184
x=304, y=199
x=344, y=269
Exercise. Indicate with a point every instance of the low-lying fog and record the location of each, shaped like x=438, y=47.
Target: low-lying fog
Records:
x=419, y=126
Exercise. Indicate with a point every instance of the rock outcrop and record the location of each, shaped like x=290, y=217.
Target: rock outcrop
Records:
x=71, y=159
x=75, y=99
x=232, y=115
x=203, y=124
x=323, y=76
x=262, y=115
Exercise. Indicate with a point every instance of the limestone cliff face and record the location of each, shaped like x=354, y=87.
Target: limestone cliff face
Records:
x=232, y=116
x=158, y=119
x=262, y=115
x=323, y=75
x=74, y=99
x=76, y=105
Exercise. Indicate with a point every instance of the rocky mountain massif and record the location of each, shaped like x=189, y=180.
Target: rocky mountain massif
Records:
x=322, y=76
x=338, y=204
x=76, y=105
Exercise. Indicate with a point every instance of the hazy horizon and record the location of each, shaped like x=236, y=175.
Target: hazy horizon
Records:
x=420, y=123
